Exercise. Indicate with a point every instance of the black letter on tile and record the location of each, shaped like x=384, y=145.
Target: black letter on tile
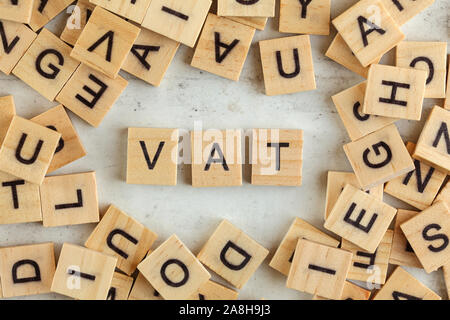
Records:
x=371, y=256
x=13, y=185
x=376, y=147
x=111, y=294
x=51, y=66
x=395, y=86
x=357, y=223
x=107, y=36
x=278, y=147
x=356, y=113
x=77, y=204
x=123, y=234
x=364, y=33
x=429, y=64
x=220, y=160
x=61, y=141
x=321, y=269
x=14, y=2
x=170, y=282
x=151, y=163
x=42, y=5
x=227, y=47
x=37, y=150
x=81, y=275
x=281, y=69
x=439, y=236
x=175, y=13
x=242, y=252
x=304, y=4
x=443, y=130
x=143, y=57
x=398, y=5
x=7, y=47
x=421, y=185
x=403, y=296
x=37, y=271
x=96, y=95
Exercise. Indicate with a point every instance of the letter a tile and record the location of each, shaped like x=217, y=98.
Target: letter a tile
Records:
x=232, y=254
x=121, y=236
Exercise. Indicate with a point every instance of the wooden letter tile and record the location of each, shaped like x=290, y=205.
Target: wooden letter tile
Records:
x=403, y=286
x=433, y=147
x=339, y=52
x=90, y=94
x=402, y=254
x=319, y=270
x=19, y=11
x=47, y=65
x=368, y=39
x=130, y=9
x=19, y=200
x=28, y=149
x=351, y=292
x=444, y=195
x=178, y=20
x=419, y=187
x=379, y=157
x=105, y=42
x=259, y=23
x=150, y=57
x=69, y=199
x=403, y=10
x=143, y=290
x=214, y=291
x=7, y=112
x=395, y=92
x=216, y=158
x=428, y=233
x=173, y=270
x=232, y=254
x=120, y=287
x=370, y=268
x=27, y=270
x=300, y=229
x=360, y=218
x=69, y=147
x=349, y=104
x=17, y=39
x=83, y=274
x=77, y=21
x=223, y=47
x=277, y=157
x=287, y=65
x=239, y=8
x=46, y=10
x=428, y=56
x=336, y=183
x=152, y=156
x=307, y=17
x=119, y=235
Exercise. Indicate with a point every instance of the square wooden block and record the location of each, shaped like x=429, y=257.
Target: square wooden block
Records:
x=69, y=147
x=360, y=218
x=428, y=56
x=428, y=233
x=307, y=17
x=20, y=201
x=232, y=254
x=119, y=235
x=277, y=157
x=90, y=94
x=287, y=65
x=349, y=104
x=336, y=182
x=236, y=8
x=433, y=147
x=178, y=20
x=370, y=268
x=150, y=57
x=77, y=21
x=19, y=11
x=152, y=156
x=216, y=158
x=403, y=286
x=402, y=254
x=395, y=92
x=28, y=149
x=351, y=292
x=173, y=270
x=223, y=47
x=143, y=290
x=27, y=270
x=105, y=42
x=379, y=157
x=83, y=274
x=259, y=23
x=368, y=35
x=7, y=112
x=444, y=195
x=319, y=270
x=339, y=52
x=129, y=9
x=403, y=10
x=69, y=199
x=47, y=65
x=120, y=287
x=18, y=39
x=214, y=291
x=46, y=10
x=419, y=187
x=299, y=229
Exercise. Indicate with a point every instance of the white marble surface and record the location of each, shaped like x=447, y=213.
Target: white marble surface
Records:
x=187, y=95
